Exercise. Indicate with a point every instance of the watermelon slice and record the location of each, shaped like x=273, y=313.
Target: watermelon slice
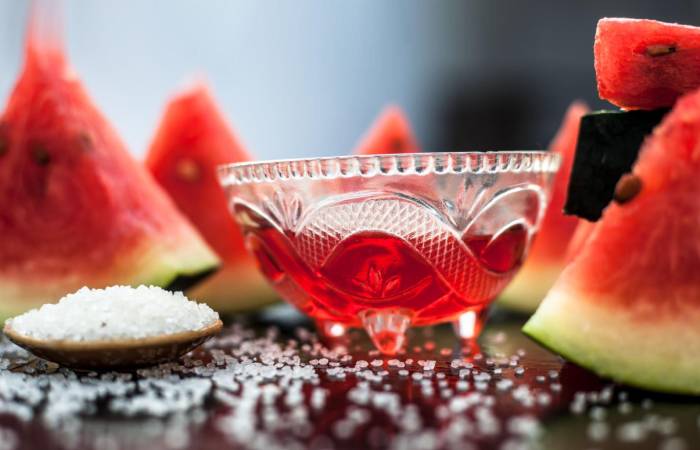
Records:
x=547, y=255
x=194, y=138
x=627, y=305
x=77, y=208
x=390, y=133
x=645, y=64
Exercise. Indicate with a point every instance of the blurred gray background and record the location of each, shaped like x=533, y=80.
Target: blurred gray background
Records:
x=306, y=77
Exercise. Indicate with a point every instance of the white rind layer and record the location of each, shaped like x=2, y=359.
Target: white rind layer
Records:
x=529, y=287
x=660, y=354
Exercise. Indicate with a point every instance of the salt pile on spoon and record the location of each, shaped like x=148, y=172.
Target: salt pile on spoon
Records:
x=116, y=312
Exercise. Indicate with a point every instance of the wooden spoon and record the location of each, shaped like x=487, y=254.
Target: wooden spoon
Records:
x=117, y=353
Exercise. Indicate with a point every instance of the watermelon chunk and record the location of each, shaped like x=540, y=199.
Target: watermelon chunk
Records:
x=191, y=141
x=548, y=253
x=627, y=305
x=390, y=133
x=77, y=208
x=645, y=64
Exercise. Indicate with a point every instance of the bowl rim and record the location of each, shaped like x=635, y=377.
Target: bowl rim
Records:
x=388, y=164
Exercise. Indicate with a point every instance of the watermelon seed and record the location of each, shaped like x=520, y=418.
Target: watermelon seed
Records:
x=187, y=170
x=40, y=155
x=397, y=145
x=661, y=50
x=627, y=188
x=84, y=141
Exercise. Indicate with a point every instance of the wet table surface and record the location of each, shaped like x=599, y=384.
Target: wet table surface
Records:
x=268, y=383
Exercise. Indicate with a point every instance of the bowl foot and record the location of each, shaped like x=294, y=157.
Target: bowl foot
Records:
x=387, y=328
x=468, y=327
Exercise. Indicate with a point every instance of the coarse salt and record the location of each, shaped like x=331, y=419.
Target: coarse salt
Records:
x=116, y=312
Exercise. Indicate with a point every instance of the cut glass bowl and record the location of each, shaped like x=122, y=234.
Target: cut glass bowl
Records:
x=389, y=241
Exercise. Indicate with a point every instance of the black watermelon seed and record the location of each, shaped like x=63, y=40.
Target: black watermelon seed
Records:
x=627, y=188
x=40, y=155
x=661, y=50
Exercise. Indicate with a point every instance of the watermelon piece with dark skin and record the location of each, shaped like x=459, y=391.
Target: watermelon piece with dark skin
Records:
x=192, y=140
x=627, y=305
x=547, y=255
x=77, y=209
x=608, y=145
x=645, y=64
x=390, y=133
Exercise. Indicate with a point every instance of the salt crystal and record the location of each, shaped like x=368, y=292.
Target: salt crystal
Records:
x=116, y=312
x=524, y=426
x=544, y=399
x=625, y=408
x=631, y=432
x=8, y=439
x=462, y=385
x=318, y=398
x=504, y=385
x=667, y=426
x=429, y=365
x=675, y=443
x=598, y=431
x=597, y=413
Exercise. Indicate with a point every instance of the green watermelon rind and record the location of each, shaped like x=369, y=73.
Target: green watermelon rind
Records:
x=529, y=287
x=155, y=265
x=251, y=291
x=602, y=340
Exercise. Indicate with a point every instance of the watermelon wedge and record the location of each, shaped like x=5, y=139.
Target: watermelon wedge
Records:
x=645, y=64
x=390, y=133
x=627, y=305
x=191, y=141
x=77, y=209
x=548, y=253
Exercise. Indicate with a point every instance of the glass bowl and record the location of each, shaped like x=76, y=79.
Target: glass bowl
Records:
x=389, y=241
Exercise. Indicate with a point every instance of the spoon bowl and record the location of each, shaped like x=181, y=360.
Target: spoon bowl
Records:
x=116, y=353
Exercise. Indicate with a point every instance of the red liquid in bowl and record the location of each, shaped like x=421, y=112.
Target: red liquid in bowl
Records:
x=427, y=281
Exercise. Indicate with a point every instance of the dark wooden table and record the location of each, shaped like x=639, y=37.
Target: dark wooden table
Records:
x=514, y=396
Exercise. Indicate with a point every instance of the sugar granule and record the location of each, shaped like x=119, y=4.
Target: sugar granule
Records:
x=116, y=312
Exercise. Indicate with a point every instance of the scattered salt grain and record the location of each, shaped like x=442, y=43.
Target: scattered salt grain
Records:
x=598, y=431
x=117, y=312
x=674, y=443
x=631, y=432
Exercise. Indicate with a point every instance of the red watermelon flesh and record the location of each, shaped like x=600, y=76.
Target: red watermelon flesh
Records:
x=191, y=141
x=390, y=133
x=578, y=241
x=645, y=64
x=627, y=305
x=548, y=253
x=77, y=209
